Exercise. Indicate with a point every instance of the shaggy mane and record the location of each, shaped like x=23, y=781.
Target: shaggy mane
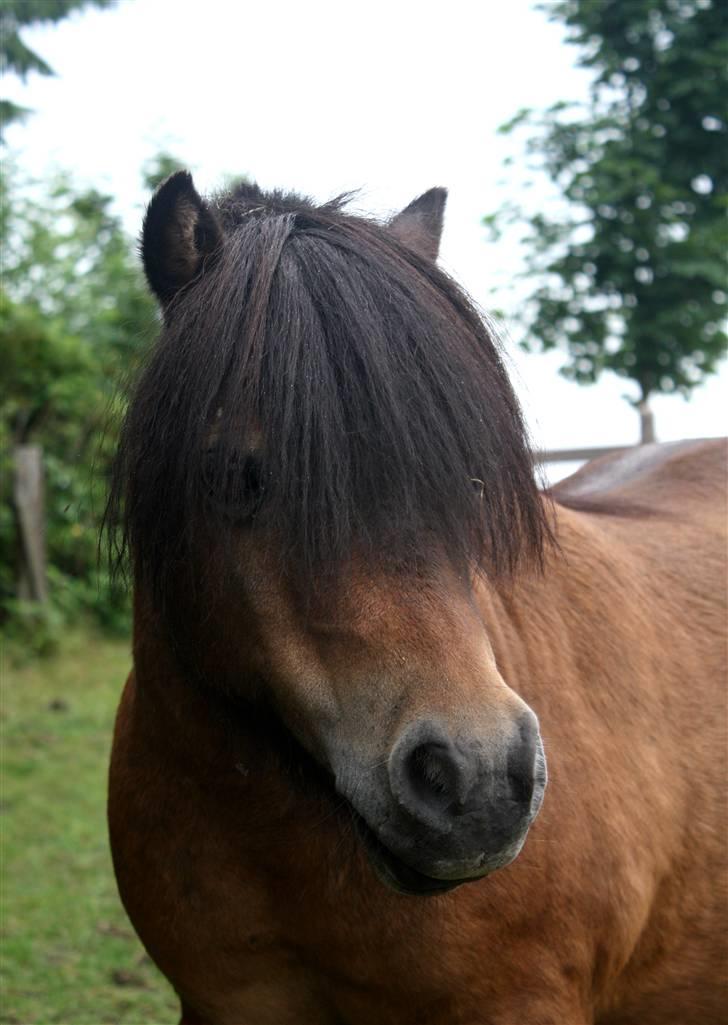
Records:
x=323, y=385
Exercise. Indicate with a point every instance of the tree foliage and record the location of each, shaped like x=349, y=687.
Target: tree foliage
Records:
x=15, y=55
x=75, y=316
x=158, y=168
x=631, y=271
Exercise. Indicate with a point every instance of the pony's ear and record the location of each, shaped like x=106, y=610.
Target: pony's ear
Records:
x=419, y=225
x=180, y=232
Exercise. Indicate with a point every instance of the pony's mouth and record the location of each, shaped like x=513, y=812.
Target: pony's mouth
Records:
x=394, y=872
x=403, y=878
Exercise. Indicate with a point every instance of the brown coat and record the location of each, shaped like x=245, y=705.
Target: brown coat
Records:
x=251, y=893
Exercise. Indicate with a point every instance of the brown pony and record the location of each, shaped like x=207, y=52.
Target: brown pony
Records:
x=351, y=604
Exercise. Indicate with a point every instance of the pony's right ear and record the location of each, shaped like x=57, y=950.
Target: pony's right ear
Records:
x=180, y=233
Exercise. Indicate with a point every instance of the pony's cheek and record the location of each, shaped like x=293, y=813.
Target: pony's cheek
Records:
x=312, y=715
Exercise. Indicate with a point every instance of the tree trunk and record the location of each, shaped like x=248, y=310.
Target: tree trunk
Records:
x=30, y=514
x=647, y=423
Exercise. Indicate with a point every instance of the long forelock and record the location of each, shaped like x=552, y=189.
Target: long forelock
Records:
x=382, y=411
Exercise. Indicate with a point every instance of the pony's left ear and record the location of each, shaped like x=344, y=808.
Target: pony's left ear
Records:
x=180, y=232
x=419, y=225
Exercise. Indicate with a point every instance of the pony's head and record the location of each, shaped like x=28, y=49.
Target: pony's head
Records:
x=322, y=459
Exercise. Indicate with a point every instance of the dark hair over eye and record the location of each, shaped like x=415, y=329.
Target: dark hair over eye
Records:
x=234, y=483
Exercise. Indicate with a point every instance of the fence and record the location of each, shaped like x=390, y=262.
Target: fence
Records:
x=30, y=516
x=573, y=455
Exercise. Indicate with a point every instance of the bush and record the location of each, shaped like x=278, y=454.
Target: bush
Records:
x=74, y=313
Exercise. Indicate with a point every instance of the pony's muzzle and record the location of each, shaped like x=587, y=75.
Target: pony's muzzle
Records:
x=437, y=778
x=463, y=803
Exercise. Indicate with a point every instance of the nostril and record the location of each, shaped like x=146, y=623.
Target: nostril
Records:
x=522, y=760
x=432, y=776
x=521, y=784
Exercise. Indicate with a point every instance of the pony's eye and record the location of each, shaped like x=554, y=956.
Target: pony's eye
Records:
x=478, y=486
x=235, y=483
x=251, y=476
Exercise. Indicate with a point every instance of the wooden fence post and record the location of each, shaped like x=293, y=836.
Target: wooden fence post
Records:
x=30, y=513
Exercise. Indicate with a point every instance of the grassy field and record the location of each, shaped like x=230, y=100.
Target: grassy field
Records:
x=68, y=953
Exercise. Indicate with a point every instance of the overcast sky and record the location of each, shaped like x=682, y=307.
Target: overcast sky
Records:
x=322, y=97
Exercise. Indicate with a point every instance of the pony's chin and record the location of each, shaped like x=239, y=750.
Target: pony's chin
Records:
x=396, y=874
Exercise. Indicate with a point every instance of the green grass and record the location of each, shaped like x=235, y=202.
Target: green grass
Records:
x=67, y=951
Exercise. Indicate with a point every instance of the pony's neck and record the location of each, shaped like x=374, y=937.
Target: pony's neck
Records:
x=531, y=618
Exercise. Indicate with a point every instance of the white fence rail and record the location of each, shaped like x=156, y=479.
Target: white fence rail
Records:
x=573, y=455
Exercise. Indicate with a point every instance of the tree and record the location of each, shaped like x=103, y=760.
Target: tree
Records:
x=632, y=270
x=15, y=55
x=158, y=168
x=163, y=164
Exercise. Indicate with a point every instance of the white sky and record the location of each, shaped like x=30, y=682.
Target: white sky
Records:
x=388, y=97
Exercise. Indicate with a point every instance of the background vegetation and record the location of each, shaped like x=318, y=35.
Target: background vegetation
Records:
x=73, y=312
x=17, y=56
x=629, y=272
x=75, y=320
